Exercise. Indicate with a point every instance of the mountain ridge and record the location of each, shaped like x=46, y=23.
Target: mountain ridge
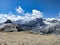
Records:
x=39, y=25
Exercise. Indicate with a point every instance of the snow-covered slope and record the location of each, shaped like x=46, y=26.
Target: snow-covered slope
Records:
x=40, y=25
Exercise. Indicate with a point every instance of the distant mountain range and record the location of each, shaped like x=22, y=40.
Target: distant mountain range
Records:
x=39, y=25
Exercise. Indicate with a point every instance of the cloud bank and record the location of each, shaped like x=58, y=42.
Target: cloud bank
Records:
x=27, y=16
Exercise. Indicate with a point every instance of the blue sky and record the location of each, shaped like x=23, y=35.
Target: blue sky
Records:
x=50, y=8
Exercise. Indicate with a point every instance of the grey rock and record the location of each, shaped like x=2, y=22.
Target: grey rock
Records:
x=8, y=27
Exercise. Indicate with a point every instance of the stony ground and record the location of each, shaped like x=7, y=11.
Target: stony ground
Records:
x=24, y=38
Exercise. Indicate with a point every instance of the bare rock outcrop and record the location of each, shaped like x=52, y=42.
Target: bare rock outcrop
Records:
x=8, y=27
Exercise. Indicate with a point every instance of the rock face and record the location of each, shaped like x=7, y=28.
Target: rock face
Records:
x=54, y=29
x=33, y=25
x=8, y=28
x=43, y=26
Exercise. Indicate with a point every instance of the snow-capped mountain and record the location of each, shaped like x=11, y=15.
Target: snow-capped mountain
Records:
x=40, y=25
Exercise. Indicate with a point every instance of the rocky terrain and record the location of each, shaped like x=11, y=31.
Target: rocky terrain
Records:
x=8, y=26
x=38, y=25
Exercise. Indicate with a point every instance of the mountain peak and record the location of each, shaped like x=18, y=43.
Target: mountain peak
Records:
x=8, y=21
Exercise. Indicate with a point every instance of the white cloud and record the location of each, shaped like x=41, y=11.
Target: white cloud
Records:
x=59, y=14
x=27, y=16
x=30, y=16
x=19, y=10
x=12, y=17
x=36, y=14
x=49, y=19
